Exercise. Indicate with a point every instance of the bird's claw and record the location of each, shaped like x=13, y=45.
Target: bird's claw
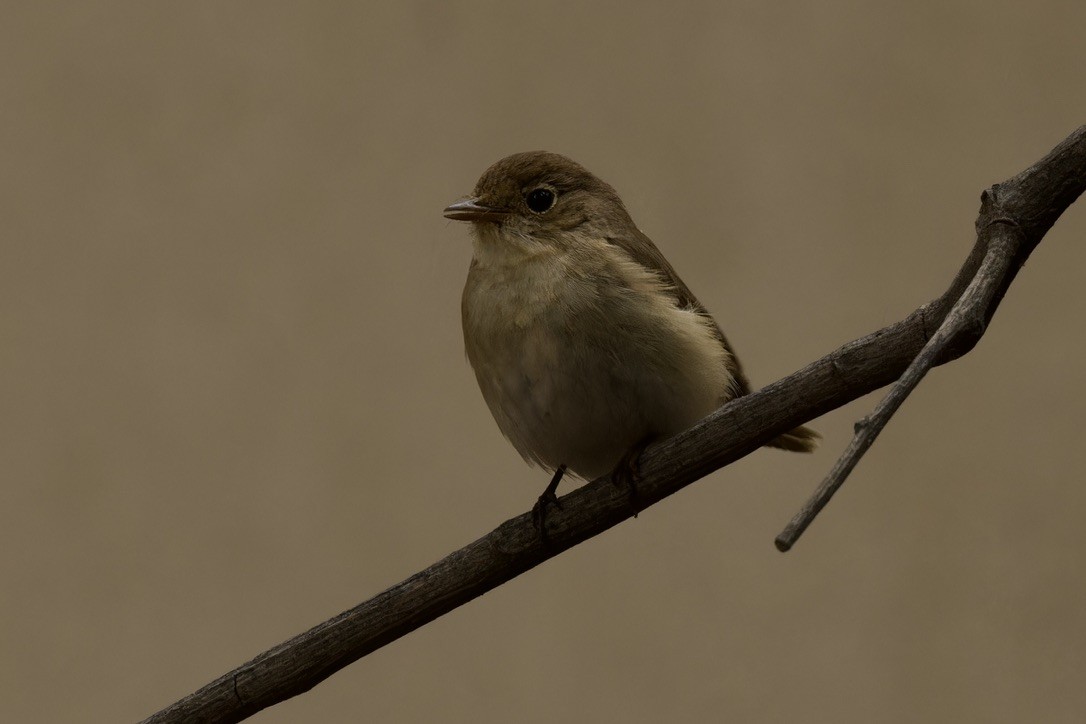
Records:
x=548, y=498
x=626, y=473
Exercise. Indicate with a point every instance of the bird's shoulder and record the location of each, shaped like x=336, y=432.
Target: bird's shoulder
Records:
x=644, y=252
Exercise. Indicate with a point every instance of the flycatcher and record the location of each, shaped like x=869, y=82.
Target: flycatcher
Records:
x=586, y=343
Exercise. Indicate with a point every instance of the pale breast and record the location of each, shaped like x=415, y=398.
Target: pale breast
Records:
x=582, y=357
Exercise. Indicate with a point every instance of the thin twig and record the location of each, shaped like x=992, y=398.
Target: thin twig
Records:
x=967, y=315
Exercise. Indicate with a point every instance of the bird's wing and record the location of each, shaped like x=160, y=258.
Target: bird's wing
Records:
x=644, y=252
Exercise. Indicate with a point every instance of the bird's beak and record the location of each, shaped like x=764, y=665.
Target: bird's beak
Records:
x=472, y=210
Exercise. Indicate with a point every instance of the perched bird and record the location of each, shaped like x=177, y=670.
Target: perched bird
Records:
x=585, y=342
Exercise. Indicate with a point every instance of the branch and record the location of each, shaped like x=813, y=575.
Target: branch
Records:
x=966, y=317
x=1025, y=208
x=1014, y=216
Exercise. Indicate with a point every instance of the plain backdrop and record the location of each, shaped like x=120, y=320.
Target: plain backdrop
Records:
x=234, y=402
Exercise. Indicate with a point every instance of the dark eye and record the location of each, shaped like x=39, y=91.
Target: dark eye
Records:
x=539, y=200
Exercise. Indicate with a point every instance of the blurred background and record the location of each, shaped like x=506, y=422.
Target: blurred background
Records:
x=234, y=401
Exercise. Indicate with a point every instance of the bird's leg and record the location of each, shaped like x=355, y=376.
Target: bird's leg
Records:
x=539, y=510
x=627, y=471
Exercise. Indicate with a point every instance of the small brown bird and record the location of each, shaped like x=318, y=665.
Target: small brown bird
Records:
x=586, y=343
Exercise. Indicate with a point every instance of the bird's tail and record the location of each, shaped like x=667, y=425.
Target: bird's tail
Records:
x=802, y=439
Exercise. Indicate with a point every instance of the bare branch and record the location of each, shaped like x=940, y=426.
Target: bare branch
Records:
x=967, y=316
x=1033, y=200
x=1014, y=217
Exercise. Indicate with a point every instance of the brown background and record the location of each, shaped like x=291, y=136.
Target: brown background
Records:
x=233, y=399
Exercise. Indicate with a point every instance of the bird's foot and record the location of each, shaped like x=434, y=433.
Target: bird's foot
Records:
x=547, y=499
x=627, y=472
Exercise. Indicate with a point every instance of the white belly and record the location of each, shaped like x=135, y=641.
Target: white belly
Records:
x=579, y=368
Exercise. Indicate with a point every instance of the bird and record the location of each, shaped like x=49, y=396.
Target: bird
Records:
x=586, y=343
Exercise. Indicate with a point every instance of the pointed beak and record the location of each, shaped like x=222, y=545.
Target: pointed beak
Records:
x=472, y=210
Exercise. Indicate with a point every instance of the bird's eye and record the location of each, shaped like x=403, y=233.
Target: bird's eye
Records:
x=540, y=200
